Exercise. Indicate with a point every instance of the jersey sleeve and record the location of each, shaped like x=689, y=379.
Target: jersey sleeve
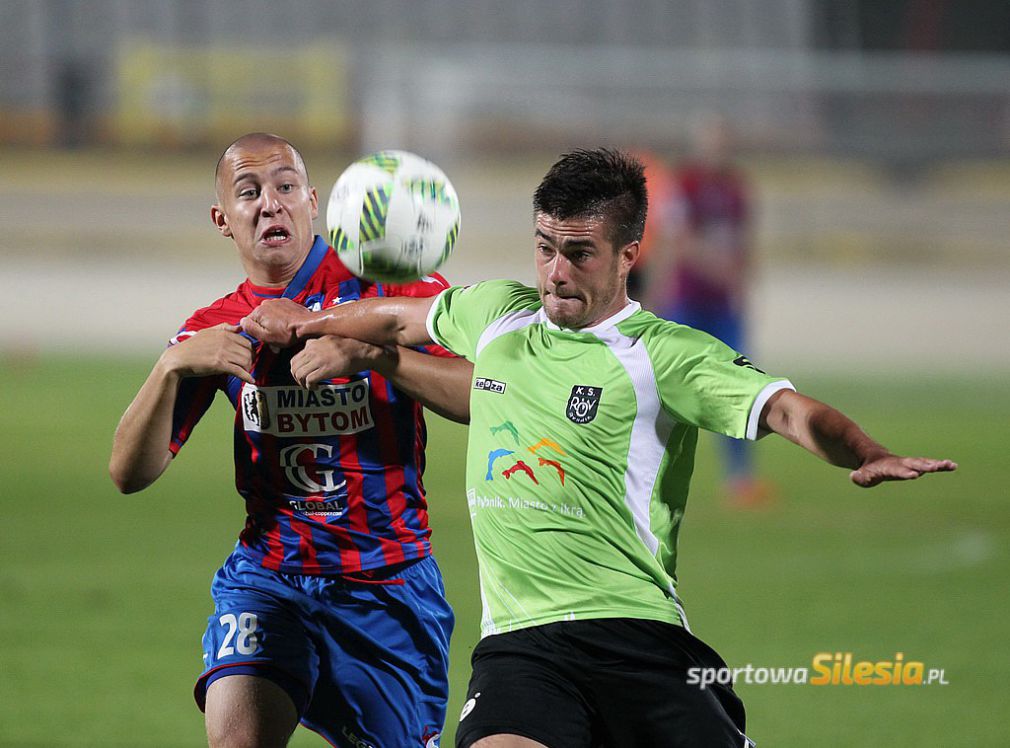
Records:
x=706, y=383
x=429, y=285
x=194, y=396
x=191, y=401
x=461, y=313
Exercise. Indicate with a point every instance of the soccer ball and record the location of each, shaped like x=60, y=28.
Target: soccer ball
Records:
x=393, y=217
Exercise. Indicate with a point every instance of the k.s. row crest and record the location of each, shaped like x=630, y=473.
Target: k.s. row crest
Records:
x=583, y=403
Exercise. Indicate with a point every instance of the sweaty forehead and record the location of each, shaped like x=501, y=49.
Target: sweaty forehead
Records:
x=581, y=230
x=259, y=160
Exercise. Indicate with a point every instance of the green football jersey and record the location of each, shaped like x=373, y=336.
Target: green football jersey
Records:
x=581, y=448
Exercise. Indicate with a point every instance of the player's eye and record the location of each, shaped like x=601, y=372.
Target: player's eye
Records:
x=247, y=192
x=286, y=187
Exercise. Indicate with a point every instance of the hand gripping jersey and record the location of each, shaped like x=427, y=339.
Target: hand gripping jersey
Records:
x=581, y=448
x=331, y=476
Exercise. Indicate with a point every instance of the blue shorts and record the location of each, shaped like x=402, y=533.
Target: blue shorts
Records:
x=366, y=663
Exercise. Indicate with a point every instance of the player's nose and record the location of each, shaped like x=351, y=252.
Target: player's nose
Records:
x=270, y=201
x=558, y=271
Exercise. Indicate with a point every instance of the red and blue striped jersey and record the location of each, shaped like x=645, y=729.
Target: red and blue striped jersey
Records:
x=331, y=476
x=713, y=204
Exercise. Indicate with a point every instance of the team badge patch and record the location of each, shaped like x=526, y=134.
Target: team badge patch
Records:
x=583, y=403
x=255, y=409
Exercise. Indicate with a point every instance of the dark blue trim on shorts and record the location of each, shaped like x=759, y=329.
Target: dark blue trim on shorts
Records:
x=297, y=691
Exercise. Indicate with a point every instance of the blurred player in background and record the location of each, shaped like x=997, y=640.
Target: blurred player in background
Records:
x=585, y=416
x=657, y=179
x=700, y=272
x=331, y=609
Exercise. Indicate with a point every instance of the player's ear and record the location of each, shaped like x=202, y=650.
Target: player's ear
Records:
x=628, y=255
x=314, y=200
x=220, y=220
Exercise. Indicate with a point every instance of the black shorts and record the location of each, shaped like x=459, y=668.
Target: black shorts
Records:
x=614, y=682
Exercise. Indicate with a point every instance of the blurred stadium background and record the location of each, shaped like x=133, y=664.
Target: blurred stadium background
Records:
x=877, y=136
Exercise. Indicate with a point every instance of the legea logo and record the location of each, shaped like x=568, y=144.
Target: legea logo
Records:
x=489, y=385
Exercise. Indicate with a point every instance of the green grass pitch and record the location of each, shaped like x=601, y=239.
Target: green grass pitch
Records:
x=103, y=597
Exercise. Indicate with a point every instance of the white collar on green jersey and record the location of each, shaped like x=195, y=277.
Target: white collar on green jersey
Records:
x=612, y=321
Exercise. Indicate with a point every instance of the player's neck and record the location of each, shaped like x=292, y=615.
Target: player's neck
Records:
x=613, y=308
x=269, y=280
x=273, y=275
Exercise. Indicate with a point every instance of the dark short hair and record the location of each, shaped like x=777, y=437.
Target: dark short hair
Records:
x=603, y=183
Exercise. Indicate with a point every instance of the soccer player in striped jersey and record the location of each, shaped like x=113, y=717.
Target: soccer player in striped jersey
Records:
x=702, y=274
x=331, y=609
x=585, y=416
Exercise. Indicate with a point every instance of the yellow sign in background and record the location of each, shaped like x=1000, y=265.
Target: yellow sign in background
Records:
x=176, y=95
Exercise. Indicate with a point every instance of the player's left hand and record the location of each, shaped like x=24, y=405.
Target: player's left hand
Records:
x=274, y=321
x=895, y=467
x=332, y=356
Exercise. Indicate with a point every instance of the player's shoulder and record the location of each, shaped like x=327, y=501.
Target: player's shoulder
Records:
x=429, y=285
x=463, y=315
x=503, y=292
x=643, y=322
x=487, y=301
x=228, y=309
x=660, y=334
x=331, y=270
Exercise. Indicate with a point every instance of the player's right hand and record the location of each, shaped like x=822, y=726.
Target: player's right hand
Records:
x=274, y=321
x=216, y=350
x=895, y=467
x=332, y=356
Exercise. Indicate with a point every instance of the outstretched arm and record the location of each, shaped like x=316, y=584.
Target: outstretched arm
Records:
x=390, y=320
x=440, y=384
x=834, y=437
x=140, y=448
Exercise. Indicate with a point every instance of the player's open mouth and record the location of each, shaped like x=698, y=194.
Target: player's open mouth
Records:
x=275, y=235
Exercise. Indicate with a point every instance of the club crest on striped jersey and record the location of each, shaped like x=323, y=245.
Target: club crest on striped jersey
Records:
x=583, y=403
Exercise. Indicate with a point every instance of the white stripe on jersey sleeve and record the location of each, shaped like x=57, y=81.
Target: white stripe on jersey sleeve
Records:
x=759, y=404
x=429, y=321
x=505, y=324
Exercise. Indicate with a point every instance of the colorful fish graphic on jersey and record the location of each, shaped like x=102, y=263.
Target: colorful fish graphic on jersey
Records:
x=556, y=465
x=520, y=465
x=507, y=426
x=545, y=442
x=491, y=457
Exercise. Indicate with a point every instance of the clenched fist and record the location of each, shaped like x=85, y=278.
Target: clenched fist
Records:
x=274, y=321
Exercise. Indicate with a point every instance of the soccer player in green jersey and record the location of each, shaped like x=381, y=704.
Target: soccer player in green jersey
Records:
x=585, y=413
